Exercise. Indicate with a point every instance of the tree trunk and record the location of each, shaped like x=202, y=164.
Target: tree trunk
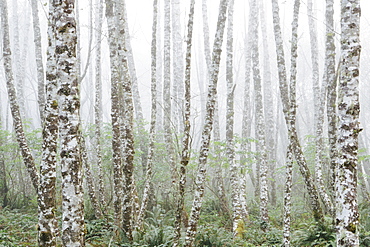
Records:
x=347, y=216
x=260, y=121
x=152, y=131
x=127, y=134
x=331, y=83
x=178, y=67
x=319, y=103
x=116, y=141
x=185, y=154
x=230, y=145
x=288, y=197
x=69, y=125
x=206, y=134
x=48, y=225
x=99, y=104
x=14, y=106
x=89, y=179
x=289, y=105
x=269, y=109
x=38, y=54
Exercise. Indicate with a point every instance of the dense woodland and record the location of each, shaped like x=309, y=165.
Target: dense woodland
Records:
x=184, y=123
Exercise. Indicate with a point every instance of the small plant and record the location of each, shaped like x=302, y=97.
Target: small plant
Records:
x=315, y=234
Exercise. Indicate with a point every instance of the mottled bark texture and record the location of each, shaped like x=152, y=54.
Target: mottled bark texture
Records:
x=73, y=228
x=127, y=126
x=347, y=216
x=116, y=142
x=230, y=144
x=288, y=197
x=289, y=102
x=48, y=227
x=185, y=154
x=260, y=120
x=331, y=83
x=206, y=133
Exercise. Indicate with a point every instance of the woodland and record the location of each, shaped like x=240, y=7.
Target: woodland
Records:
x=184, y=123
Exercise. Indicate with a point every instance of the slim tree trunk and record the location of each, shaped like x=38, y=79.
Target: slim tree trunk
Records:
x=288, y=197
x=38, y=54
x=331, y=83
x=185, y=154
x=206, y=134
x=319, y=103
x=99, y=104
x=116, y=141
x=89, y=179
x=230, y=145
x=289, y=108
x=269, y=109
x=347, y=215
x=127, y=134
x=260, y=121
x=14, y=106
x=178, y=66
x=152, y=131
x=217, y=137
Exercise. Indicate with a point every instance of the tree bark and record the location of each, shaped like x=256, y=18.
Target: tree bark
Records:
x=152, y=131
x=99, y=104
x=347, y=215
x=69, y=125
x=185, y=154
x=319, y=103
x=289, y=105
x=331, y=83
x=116, y=141
x=288, y=197
x=14, y=106
x=206, y=134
